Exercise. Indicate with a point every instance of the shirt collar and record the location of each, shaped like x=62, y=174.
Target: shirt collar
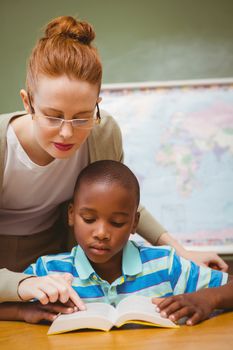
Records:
x=132, y=264
x=82, y=264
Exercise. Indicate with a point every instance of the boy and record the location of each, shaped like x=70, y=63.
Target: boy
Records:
x=107, y=267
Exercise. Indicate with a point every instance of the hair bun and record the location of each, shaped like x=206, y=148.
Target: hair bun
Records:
x=70, y=28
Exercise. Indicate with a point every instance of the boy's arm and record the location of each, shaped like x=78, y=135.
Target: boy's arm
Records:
x=33, y=312
x=196, y=306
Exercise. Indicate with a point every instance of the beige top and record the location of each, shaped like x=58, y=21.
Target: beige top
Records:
x=104, y=142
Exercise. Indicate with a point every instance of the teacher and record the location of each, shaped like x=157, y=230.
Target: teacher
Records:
x=44, y=148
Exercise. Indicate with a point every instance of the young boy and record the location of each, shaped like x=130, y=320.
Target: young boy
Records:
x=106, y=266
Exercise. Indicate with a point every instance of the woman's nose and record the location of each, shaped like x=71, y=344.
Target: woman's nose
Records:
x=66, y=130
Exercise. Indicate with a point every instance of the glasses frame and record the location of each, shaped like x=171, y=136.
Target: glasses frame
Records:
x=32, y=111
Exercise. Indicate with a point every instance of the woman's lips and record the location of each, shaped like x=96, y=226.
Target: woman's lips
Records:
x=63, y=146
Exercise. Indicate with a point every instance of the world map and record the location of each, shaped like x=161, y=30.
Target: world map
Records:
x=178, y=140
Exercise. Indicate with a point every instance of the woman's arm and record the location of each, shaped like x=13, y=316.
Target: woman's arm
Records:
x=156, y=234
x=9, y=282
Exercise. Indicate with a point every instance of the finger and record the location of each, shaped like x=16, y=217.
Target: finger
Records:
x=165, y=303
x=41, y=296
x=68, y=277
x=217, y=262
x=196, y=318
x=157, y=301
x=63, y=291
x=51, y=290
x=182, y=312
x=171, y=309
x=47, y=316
x=68, y=292
x=222, y=266
x=58, y=308
x=76, y=299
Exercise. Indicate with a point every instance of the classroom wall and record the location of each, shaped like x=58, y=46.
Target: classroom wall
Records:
x=149, y=40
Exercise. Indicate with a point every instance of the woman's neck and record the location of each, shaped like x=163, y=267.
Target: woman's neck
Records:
x=23, y=128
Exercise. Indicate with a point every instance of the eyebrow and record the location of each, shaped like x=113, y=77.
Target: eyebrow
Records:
x=51, y=109
x=114, y=213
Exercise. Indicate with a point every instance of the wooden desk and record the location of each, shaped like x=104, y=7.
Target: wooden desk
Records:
x=213, y=334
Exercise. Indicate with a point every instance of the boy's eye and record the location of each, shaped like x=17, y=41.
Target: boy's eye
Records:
x=117, y=224
x=88, y=220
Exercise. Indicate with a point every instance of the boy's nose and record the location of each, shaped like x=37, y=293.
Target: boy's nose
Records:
x=101, y=233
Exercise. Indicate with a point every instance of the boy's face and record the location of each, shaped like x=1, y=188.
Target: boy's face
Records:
x=103, y=216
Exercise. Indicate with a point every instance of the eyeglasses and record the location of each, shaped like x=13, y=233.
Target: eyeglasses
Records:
x=79, y=123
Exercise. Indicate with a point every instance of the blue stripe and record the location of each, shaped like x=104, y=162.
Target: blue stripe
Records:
x=143, y=282
x=89, y=292
x=215, y=279
x=62, y=266
x=193, y=278
x=148, y=254
x=175, y=271
x=40, y=268
x=29, y=270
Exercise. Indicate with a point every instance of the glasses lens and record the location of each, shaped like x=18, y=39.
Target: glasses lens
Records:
x=83, y=123
x=50, y=122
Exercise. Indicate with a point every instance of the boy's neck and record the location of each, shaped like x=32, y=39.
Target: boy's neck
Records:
x=111, y=270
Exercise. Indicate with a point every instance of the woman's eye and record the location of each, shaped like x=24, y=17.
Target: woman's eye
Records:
x=117, y=224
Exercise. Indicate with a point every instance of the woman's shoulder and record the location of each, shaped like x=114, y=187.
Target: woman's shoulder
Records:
x=105, y=140
x=107, y=120
x=108, y=126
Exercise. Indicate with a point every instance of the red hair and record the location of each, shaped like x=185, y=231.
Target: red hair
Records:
x=65, y=49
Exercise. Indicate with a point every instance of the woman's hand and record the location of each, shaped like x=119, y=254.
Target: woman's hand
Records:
x=50, y=289
x=209, y=259
x=195, y=306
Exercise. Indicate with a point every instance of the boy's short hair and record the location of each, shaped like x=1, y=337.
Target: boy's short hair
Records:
x=109, y=171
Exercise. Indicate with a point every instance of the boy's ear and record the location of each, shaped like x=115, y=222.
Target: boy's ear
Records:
x=136, y=220
x=71, y=214
x=24, y=97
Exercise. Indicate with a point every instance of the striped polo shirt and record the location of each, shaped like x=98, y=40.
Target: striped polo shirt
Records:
x=148, y=271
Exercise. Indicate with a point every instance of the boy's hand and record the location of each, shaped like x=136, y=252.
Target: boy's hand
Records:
x=35, y=312
x=196, y=306
x=50, y=289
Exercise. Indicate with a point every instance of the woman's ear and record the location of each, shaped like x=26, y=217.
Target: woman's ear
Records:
x=24, y=97
x=99, y=99
x=71, y=214
x=136, y=220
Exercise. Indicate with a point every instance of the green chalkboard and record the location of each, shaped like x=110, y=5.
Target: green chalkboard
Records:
x=149, y=40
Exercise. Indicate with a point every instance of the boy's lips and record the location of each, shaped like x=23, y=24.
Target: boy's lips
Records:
x=63, y=146
x=99, y=249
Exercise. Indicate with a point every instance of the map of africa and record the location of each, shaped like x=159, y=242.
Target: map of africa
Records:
x=179, y=143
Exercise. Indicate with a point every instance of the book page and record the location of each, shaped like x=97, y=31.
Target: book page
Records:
x=140, y=308
x=97, y=316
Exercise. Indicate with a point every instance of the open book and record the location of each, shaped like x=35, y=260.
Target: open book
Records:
x=132, y=309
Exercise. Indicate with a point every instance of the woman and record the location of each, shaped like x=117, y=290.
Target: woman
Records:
x=44, y=149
